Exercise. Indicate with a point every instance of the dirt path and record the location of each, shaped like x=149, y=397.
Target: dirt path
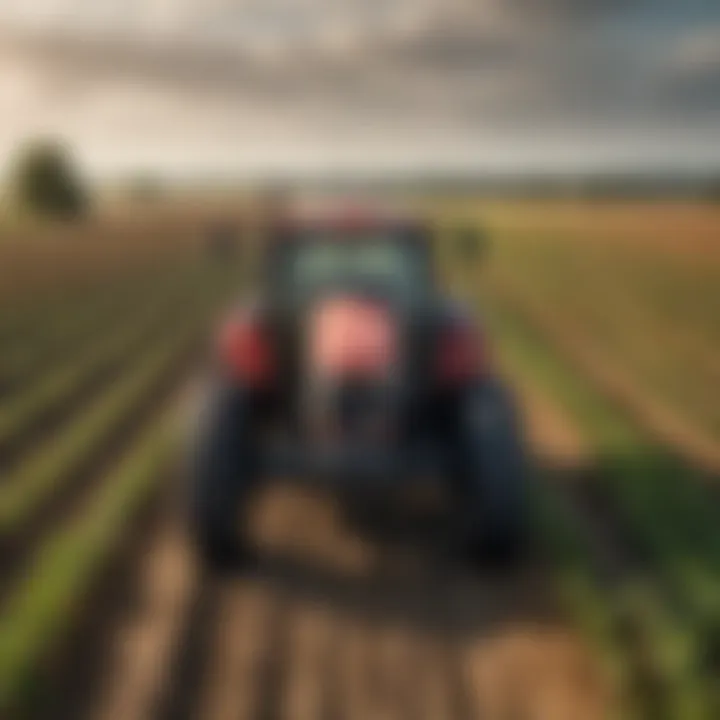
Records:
x=333, y=624
x=303, y=638
x=145, y=644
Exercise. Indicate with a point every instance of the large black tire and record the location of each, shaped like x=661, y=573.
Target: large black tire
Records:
x=491, y=478
x=222, y=470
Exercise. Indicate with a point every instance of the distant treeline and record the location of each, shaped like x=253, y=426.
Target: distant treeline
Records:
x=606, y=186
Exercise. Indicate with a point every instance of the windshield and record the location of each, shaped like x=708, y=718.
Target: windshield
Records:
x=392, y=267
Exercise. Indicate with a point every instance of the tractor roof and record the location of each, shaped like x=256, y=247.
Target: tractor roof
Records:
x=346, y=217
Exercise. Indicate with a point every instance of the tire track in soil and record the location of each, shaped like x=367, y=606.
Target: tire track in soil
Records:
x=307, y=694
x=239, y=652
x=146, y=640
x=332, y=625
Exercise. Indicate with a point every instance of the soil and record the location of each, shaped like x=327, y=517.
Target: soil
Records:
x=336, y=623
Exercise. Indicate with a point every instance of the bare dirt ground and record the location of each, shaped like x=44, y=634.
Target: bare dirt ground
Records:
x=338, y=624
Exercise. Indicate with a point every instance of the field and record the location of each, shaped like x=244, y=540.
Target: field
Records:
x=606, y=318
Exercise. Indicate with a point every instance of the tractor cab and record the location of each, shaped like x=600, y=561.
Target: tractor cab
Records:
x=310, y=258
x=349, y=303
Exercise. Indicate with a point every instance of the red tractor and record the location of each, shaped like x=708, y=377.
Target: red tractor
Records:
x=352, y=369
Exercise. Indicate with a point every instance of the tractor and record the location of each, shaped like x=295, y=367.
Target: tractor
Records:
x=350, y=369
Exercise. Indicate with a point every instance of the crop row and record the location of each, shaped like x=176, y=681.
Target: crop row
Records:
x=33, y=482
x=658, y=321
x=30, y=318
x=43, y=606
x=119, y=343
x=657, y=501
x=660, y=628
x=646, y=649
x=63, y=332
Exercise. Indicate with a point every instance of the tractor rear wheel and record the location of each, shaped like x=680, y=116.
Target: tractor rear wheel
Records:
x=491, y=478
x=222, y=477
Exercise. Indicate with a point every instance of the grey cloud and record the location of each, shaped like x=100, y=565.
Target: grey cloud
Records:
x=697, y=53
x=572, y=9
x=452, y=48
x=348, y=68
x=685, y=81
x=176, y=66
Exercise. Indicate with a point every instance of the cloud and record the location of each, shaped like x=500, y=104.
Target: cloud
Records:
x=696, y=54
x=687, y=80
x=246, y=70
x=573, y=10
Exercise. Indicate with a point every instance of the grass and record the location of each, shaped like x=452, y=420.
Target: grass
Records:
x=586, y=600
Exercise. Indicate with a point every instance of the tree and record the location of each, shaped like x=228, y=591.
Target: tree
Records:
x=46, y=182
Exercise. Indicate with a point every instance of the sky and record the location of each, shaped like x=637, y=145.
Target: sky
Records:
x=247, y=86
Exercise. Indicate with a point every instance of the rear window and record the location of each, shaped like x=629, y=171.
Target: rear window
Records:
x=393, y=266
